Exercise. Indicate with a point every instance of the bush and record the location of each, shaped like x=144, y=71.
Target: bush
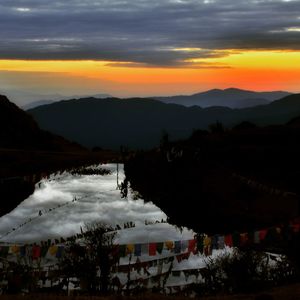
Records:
x=244, y=272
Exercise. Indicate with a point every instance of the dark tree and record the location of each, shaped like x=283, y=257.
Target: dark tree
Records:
x=90, y=259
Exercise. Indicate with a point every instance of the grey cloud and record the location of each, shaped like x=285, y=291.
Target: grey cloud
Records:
x=144, y=32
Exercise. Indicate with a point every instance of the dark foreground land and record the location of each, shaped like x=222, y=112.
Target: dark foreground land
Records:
x=222, y=180
x=288, y=292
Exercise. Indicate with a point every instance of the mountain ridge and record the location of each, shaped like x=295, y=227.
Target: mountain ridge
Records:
x=140, y=123
x=230, y=97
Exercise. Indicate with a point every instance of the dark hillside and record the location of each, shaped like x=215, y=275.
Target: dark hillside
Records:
x=26, y=150
x=221, y=181
x=139, y=123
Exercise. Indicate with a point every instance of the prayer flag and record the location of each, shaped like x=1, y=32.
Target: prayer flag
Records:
x=262, y=234
x=228, y=240
x=152, y=249
x=192, y=245
x=36, y=252
x=52, y=250
x=177, y=246
x=214, y=242
x=221, y=242
x=60, y=251
x=207, y=246
x=15, y=249
x=184, y=245
x=169, y=245
x=159, y=247
x=129, y=248
x=137, y=249
x=145, y=249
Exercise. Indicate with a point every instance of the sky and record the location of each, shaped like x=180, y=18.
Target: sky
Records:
x=143, y=48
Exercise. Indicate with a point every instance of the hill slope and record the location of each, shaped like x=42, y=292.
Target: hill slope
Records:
x=139, y=123
x=233, y=98
x=18, y=130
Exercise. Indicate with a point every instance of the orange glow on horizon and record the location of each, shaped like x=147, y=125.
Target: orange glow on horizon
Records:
x=255, y=70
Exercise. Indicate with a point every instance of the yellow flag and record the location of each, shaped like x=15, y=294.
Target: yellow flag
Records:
x=129, y=248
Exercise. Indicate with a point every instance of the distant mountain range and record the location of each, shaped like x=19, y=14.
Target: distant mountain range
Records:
x=140, y=123
x=232, y=98
x=18, y=130
x=37, y=103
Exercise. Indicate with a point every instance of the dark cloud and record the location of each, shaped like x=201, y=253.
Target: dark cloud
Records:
x=144, y=32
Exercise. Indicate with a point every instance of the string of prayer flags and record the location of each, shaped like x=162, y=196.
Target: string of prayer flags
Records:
x=181, y=249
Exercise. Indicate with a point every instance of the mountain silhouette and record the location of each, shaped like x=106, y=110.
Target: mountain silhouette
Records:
x=18, y=130
x=231, y=97
x=140, y=123
x=58, y=97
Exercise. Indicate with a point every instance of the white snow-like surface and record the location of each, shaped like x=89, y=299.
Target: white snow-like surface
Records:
x=98, y=200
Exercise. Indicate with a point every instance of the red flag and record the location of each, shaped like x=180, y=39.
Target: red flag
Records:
x=192, y=245
x=228, y=240
x=262, y=234
x=36, y=252
x=152, y=249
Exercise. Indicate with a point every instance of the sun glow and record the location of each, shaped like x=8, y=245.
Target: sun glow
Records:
x=257, y=70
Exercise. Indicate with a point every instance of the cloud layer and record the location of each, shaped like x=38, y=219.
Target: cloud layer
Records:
x=98, y=201
x=158, y=32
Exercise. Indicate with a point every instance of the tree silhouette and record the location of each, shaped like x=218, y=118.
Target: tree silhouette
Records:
x=90, y=259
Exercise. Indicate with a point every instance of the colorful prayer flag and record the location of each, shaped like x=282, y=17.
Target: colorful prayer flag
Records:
x=159, y=247
x=137, y=249
x=262, y=234
x=177, y=246
x=192, y=245
x=169, y=245
x=129, y=248
x=36, y=252
x=152, y=249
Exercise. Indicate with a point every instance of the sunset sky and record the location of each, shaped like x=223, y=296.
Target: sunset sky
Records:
x=143, y=48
